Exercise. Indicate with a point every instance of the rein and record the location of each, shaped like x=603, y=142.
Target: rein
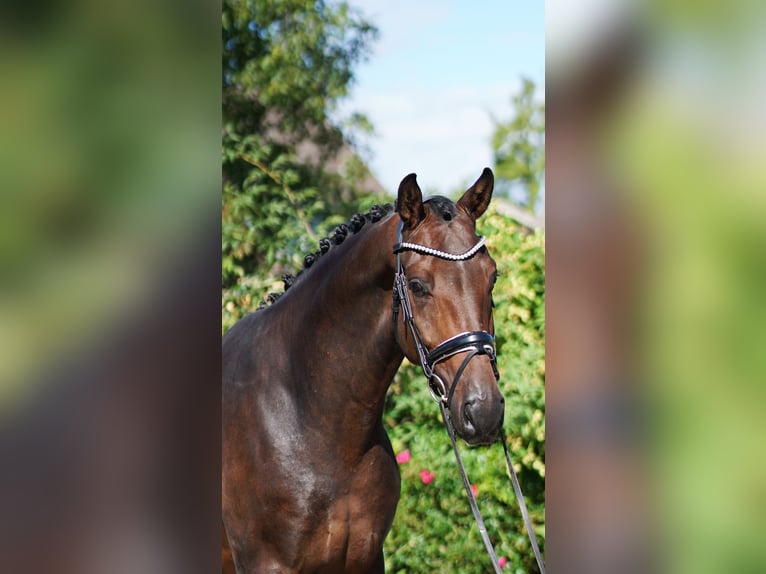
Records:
x=473, y=343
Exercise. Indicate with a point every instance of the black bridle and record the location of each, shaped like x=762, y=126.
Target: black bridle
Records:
x=473, y=343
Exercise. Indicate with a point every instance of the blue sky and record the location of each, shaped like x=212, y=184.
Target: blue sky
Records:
x=440, y=70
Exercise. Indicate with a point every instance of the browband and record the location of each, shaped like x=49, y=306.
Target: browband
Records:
x=400, y=246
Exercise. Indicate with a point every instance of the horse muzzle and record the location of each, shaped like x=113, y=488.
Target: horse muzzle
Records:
x=479, y=416
x=478, y=408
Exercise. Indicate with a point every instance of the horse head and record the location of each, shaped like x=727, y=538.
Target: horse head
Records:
x=443, y=285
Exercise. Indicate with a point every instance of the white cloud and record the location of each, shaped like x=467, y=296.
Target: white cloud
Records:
x=442, y=136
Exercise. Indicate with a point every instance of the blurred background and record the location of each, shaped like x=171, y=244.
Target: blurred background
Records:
x=655, y=260
x=109, y=283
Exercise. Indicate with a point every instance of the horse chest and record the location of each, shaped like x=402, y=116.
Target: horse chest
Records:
x=351, y=537
x=348, y=535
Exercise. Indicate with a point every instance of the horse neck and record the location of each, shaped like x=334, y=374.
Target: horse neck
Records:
x=349, y=351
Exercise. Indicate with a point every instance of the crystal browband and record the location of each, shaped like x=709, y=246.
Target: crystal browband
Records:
x=405, y=246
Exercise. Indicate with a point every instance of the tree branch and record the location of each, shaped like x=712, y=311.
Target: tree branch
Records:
x=526, y=218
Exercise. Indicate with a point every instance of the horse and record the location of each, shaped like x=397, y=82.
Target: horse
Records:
x=310, y=482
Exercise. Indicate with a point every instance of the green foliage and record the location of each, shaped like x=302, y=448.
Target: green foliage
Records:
x=519, y=148
x=295, y=56
x=434, y=528
x=286, y=64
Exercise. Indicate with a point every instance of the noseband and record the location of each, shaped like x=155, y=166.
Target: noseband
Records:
x=471, y=342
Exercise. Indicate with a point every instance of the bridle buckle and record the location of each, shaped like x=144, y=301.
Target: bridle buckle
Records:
x=438, y=389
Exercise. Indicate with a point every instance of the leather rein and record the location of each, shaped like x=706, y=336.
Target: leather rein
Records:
x=472, y=343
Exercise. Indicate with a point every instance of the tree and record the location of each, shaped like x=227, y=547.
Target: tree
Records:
x=519, y=149
x=286, y=64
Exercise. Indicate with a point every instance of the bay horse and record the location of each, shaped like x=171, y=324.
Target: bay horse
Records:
x=310, y=482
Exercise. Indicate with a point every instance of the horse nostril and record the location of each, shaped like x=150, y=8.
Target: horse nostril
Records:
x=467, y=408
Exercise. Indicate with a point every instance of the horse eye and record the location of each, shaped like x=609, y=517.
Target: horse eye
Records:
x=417, y=288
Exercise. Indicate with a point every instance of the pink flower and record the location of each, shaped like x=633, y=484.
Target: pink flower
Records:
x=502, y=561
x=474, y=490
x=427, y=476
x=403, y=457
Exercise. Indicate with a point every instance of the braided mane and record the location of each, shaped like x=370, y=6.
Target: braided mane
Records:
x=340, y=233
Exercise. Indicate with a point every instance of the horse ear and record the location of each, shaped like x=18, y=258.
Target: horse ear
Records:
x=409, y=202
x=475, y=200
